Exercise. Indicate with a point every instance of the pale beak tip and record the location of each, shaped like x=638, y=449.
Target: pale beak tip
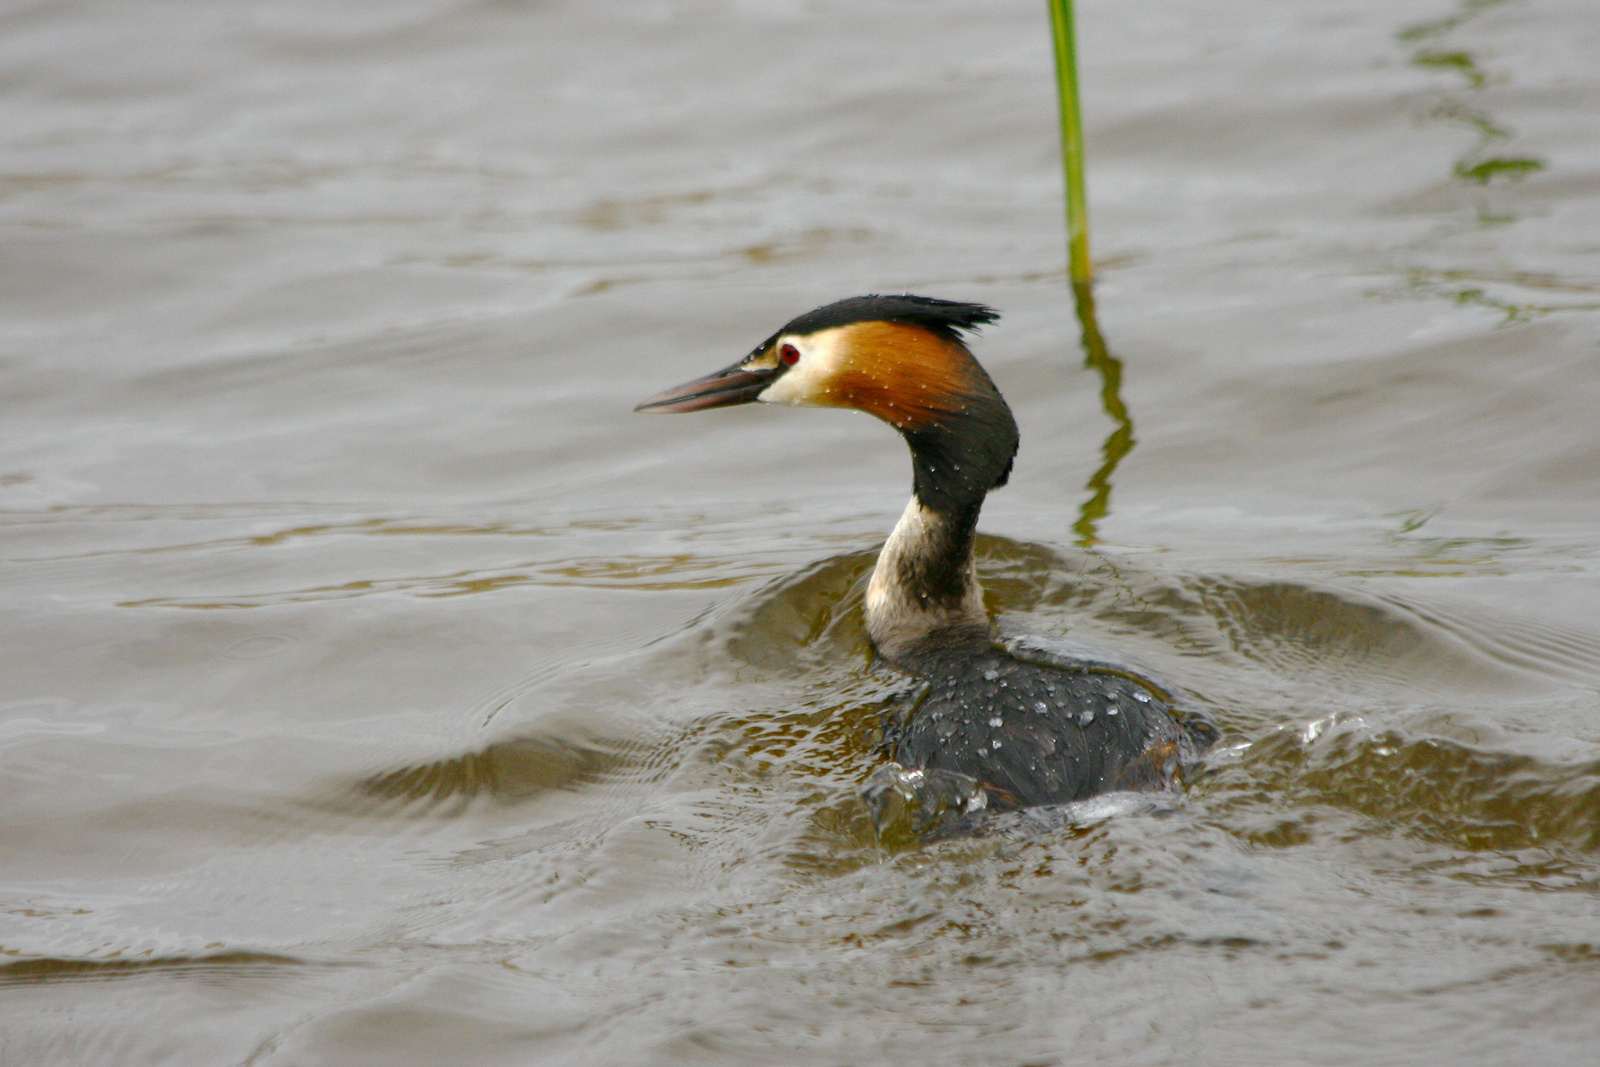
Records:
x=734, y=385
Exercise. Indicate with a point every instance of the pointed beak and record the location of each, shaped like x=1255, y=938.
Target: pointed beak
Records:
x=729, y=386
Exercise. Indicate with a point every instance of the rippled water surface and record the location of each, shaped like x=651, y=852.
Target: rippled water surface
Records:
x=376, y=689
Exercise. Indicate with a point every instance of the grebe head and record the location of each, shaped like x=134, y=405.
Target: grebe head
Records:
x=898, y=358
x=901, y=359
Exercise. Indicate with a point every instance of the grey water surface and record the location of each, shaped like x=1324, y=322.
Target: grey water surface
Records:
x=375, y=688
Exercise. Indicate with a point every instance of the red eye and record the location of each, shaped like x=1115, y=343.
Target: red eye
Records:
x=789, y=354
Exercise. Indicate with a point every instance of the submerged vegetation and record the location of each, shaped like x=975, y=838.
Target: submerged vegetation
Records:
x=1481, y=164
x=1480, y=175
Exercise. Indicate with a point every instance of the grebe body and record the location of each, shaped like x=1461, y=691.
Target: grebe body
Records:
x=1035, y=733
x=1027, y=731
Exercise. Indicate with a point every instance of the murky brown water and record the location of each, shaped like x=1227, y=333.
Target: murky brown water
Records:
x=377, y=689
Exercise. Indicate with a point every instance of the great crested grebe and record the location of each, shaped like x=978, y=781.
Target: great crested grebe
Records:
x=1026, y=732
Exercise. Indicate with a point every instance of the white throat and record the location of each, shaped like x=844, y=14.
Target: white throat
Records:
x=899, y=615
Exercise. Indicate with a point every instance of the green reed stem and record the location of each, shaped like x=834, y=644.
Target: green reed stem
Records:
x=1097, y=355
x=1071, y=143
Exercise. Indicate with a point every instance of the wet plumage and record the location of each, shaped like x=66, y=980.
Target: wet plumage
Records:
x=1035, y=733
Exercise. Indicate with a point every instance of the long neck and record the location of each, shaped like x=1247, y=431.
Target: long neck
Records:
x=924, y=591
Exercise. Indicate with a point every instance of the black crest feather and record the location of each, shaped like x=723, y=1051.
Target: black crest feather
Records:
x=946, y=318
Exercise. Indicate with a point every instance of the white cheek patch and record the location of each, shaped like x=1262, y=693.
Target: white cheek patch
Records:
x=806, y=382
